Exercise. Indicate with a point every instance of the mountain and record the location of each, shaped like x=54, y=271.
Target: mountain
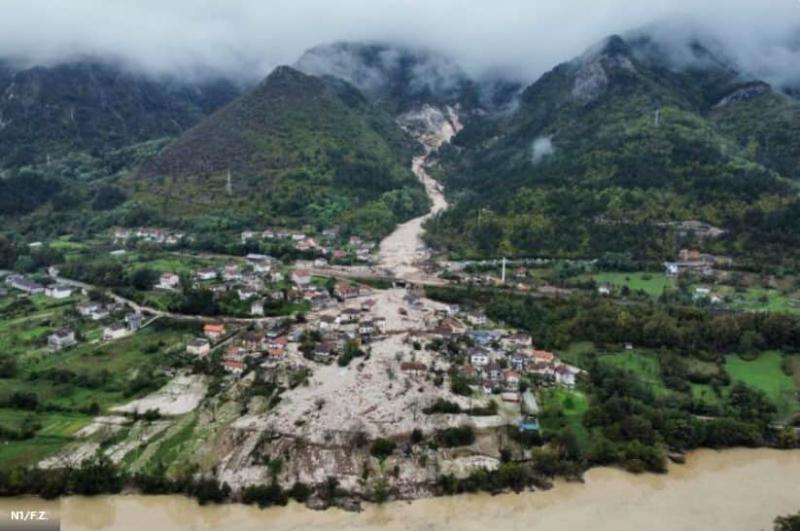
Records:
x=612, y=151
x=297, y=149
x=402, y=78
x=399, y=77
x=765, y=123
x=92, y=106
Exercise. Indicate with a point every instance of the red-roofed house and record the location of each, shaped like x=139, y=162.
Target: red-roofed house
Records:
x=213, y=331
x=233, y=366
x=543, y=356
x=301, y=277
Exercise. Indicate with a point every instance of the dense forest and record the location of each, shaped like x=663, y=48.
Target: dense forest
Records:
x=610, y=151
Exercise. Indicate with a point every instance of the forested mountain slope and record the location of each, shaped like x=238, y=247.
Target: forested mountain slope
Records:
x=610, y=151
x=297, y=149
x=90, y=106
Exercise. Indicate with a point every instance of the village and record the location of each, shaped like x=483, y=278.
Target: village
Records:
x=343, y=320
x=300, y=355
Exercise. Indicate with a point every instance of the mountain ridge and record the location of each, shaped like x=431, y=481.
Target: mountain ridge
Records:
x=93, y=106
x=609, y=135
x=295, y=146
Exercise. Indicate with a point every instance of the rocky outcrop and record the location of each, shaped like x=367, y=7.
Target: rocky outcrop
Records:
x=745, y=93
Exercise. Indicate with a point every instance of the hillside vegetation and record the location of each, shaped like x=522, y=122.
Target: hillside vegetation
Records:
x=47, y=113
x=297, y=149
x=607, y=152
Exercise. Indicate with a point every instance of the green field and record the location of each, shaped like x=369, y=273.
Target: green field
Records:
x=573, y=404
x=25, y=322
x=577, y=353
x=644, y=364
x=70, y=386
x=651, y=283
x=765, y=373
x=56, y=431
x=772, y=300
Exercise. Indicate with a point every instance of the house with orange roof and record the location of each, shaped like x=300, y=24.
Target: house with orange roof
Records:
x=213, y=331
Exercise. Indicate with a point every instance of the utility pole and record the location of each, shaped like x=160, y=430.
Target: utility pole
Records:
x=503, y=276
x=229, y=185
x=658, y=116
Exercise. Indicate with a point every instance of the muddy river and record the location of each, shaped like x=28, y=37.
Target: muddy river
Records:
x=739, y=490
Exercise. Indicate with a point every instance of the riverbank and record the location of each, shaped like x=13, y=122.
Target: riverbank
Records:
x=734, y=490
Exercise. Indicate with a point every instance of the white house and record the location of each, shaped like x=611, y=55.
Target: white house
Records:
x=24, y=284
x=61, y=339
x=206, y=274
x=479, y=358
x=565, y=375
x=366, y=328
x=58, y=291
x=246, y=293
x=169, y=281
x=477, y=319
x=257, y=308
x=261, y=263
x=134, y=321
x=93, y=311
x=671, y=269
x=198, y=346
x=327, y=323
x=232, y=272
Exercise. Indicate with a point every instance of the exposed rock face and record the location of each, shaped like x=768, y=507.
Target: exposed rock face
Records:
x=590, y=81
x=432, y=126
x=592, y=76
x=745, y=94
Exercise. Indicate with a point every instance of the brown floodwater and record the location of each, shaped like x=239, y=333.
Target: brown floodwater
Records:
x=731, y=491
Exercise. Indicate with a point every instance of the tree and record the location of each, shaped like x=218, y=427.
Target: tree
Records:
x=265, y=495
x=25, y=264
x=788, y=523
x=96, y=476
x=8, y=253
x=382, y=448
x=144, y=278
x=107, y=197
x=8, y=367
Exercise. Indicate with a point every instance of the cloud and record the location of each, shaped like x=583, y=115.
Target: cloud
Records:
x=523, y=38
x=541, y=148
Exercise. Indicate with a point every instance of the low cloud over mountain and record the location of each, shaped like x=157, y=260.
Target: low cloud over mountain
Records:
x=522, y=38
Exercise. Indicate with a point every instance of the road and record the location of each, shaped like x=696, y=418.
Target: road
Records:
x=368, y=273
x=161, y=313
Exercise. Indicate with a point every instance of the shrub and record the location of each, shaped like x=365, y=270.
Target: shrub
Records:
x=382, y=448
x=460, y=436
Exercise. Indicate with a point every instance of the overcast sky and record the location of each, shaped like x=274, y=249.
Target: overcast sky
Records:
x=525, y=37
